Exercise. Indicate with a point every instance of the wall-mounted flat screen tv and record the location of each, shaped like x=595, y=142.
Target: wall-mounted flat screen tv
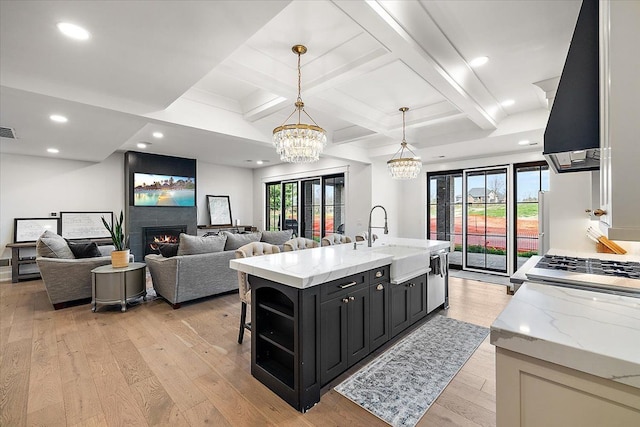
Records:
x=163, y=190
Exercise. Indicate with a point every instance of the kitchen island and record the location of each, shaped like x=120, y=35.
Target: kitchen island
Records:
x=316, y=312
x=567, y=357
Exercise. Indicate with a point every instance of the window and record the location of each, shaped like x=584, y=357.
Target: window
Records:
x=445, y=211
x=273, y=207
x=530, y=179
x=322, y=203
x=334, y=205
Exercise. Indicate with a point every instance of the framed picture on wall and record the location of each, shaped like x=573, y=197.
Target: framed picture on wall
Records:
x=85, y=225
x=219, y=210
x=29, y=229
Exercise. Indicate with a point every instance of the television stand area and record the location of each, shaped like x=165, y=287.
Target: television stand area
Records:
x=23, y=260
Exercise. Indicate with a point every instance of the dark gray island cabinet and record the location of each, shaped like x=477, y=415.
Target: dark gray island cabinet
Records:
x=302, y=338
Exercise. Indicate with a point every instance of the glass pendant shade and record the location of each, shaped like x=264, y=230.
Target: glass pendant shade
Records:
x=299, y=142
x=402, y=167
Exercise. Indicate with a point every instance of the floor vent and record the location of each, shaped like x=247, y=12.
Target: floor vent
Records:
x=7, y=132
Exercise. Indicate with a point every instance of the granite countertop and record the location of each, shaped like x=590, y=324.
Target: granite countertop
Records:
x=310, y=267
x=596, y=333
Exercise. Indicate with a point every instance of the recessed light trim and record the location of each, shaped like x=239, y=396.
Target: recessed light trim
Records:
x=58, y=118
x=53, y=150
x=524, y=142
x=259, y=162
x=158, y=135
x=479, y=61
x=507, y=102
x=73, y=31
x=142, y=145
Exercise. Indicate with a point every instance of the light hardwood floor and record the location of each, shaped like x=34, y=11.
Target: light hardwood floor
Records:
x=153, y=365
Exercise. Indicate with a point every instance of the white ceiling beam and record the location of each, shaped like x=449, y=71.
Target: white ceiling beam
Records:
x=261, y=104
x=407, y=30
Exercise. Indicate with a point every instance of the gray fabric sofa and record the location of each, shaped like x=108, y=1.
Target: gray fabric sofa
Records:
x=184, y=278
x=65, y=277
x=201, y=267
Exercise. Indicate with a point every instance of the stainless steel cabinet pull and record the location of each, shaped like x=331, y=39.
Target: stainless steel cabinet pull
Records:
x=379, y=287
x=348, y=285
x=345, y=300
x=378, y=274
x=352, y=298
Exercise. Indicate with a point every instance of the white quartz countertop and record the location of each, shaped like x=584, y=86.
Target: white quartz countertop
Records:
x=310, y=267
x=592, y=332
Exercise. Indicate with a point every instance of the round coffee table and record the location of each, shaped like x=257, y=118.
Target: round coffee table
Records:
x=117, y=285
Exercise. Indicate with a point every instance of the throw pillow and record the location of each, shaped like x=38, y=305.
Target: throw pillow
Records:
x=234, y=241
x=193, y=245
x=276, y=237
x=168, y=250
x=84, y=249
x=52, y=245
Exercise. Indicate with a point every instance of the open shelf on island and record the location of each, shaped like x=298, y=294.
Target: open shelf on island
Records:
x=280, y=309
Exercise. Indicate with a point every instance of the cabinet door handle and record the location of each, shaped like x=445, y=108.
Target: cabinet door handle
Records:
x=379, y=287
x=352, y=298
x=345, y=300
x=411, y=285
x=599, y=212
x=379, y=274
x=348, y=285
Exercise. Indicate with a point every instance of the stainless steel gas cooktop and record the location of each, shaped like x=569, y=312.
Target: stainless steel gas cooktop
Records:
x=592, y=273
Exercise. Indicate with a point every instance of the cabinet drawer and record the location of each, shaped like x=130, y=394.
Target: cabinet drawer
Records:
x=380, y=274
x=341, y=287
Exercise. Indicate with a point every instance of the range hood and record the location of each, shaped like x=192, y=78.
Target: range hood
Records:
x=572, y=136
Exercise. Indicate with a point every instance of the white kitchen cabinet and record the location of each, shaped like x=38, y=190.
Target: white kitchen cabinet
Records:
x=620, y=123
x=533, y=392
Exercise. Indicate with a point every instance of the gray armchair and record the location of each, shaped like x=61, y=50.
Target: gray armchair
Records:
x=65, y=277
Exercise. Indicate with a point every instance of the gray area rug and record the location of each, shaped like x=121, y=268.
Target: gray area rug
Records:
x=401, y=384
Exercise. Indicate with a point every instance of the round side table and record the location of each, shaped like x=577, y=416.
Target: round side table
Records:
x=117, y=285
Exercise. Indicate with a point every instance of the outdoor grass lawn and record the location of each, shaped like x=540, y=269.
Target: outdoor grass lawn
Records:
x=525, y=210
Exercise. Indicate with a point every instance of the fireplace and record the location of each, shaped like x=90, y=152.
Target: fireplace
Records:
x=152, y=236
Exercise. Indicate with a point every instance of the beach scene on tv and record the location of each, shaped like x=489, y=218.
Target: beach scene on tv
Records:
x=163, y=190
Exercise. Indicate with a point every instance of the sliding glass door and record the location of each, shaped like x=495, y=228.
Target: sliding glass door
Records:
x=445, y=211
x=486, y=223
x=530, y=179
x=312, y=206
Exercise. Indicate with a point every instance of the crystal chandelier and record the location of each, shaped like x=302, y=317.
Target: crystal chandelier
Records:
x=299, y=143
x=404, y=167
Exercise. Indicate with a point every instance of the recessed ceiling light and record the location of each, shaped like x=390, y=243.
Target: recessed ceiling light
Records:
x=58, y=118
x=157, y=134
x=53, y=150
x=479, y=61
x=523, y=142
x=142, y=145
x=73, y=31
x=259, y=162
x=578, y=152
x=507, y=102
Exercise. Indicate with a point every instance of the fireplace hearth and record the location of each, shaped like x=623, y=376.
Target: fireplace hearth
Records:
x=153, y=236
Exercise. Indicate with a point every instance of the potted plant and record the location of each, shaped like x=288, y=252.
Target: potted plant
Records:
x=120, y=256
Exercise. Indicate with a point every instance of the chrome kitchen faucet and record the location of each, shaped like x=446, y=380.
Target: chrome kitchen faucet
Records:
x=386, y=229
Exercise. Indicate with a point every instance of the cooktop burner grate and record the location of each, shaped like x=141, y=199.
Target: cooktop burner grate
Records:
x=628, y=269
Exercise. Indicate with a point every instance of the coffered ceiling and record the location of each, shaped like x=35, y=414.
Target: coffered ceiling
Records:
x=215, y=77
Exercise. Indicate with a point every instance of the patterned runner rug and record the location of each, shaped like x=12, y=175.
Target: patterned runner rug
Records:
x=401, y=384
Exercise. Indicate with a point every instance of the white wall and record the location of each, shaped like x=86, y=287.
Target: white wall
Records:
x=33, y=187
x=357, y=180
x=217, y=180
